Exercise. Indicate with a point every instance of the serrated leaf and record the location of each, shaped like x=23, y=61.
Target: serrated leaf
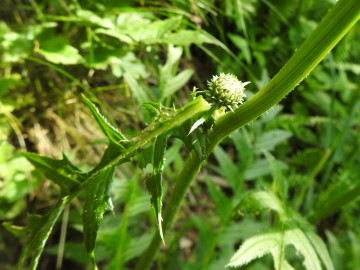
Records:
x=298, y=239
x=154, y=181
x=256, y=247
x=114, y=135
x=321, y=249
x=274, y=243
x=97, y=195
x=97, y=202
x=36, y=234
x=61, y=172
x=267, y=200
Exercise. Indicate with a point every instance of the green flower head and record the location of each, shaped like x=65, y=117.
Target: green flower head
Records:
x=225, y=90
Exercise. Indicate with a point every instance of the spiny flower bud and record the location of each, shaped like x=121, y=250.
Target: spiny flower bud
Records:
x=225, y=90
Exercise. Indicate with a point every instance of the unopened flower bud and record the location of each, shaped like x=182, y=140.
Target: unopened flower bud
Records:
x=225, y=90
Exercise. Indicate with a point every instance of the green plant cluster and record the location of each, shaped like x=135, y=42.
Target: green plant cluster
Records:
x=106, y=85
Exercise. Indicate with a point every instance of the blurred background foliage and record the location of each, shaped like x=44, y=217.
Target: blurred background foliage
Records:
x=123, y=54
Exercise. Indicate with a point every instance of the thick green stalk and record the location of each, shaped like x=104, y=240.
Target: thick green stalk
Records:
x=328, y=33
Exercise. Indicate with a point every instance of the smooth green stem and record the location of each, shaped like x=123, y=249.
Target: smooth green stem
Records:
x=328, y=33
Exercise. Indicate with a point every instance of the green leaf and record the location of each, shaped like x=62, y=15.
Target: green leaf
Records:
x=274, y=243
x=61, y=172
x=137, y=91
x=223, y=204
x=321, y=249
x=279, y=186
x=227, y=168
x=243, y=45
x=154, y=181
x=169, y=81
x=97, y=202
x=58, y=51
x=114, y=135
x=268, y=140
x=298, y=239
x=187, y=37
x=36, y=233
x=256, y=247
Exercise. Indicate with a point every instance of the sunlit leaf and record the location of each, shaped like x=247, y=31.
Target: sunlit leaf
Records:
x=274, y=243
x=58, y=51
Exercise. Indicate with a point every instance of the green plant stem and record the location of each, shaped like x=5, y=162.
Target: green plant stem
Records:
x=321, y=41
x=191, y=168
x=193, y=109
x=328, y=33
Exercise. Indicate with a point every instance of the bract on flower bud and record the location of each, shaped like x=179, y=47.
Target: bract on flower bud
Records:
x=225, y=90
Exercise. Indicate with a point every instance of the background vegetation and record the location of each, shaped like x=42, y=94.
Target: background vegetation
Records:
x=298, y=162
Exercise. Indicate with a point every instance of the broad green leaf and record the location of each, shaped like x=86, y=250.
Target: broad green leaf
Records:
x=154, y=32
x=154, y=181
x=61, y=172
x=132, y=31
x=187, y=37
x=36, y=233
x=9, y=82
x=14, y=46
x=93, y=18
x=268, y=140
x=58, y=51
x=114, y=135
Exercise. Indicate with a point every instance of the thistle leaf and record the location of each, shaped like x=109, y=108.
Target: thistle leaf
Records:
x=61, y=172
x=114, y=135
x=154, y=181
x=36, y=233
